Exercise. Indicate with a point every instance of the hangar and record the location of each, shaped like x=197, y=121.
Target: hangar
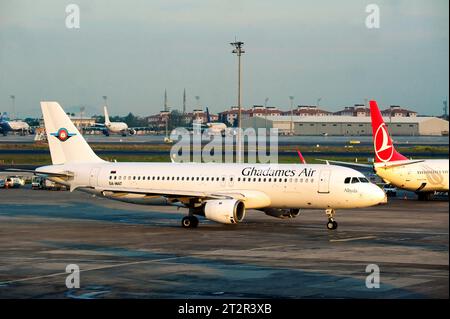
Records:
x=348, y=125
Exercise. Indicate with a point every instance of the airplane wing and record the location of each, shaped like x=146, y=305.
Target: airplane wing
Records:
x=60, y=174
x=252, y=199
x=345, y=163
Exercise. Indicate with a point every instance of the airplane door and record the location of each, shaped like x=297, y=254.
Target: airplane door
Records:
x=93, y=178
x=324, y=181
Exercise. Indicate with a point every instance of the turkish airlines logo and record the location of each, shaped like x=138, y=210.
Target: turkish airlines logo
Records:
x=62, y=134
x=383, y=144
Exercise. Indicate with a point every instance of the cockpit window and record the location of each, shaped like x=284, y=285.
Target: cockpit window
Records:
x=355, y=180
x=363, y=180
x=347, y=180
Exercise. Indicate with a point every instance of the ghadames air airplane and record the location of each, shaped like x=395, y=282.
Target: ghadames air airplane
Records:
x=219, y=192
x=423, y=176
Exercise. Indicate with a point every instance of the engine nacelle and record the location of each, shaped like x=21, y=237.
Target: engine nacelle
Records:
x=282, y=213
x=132, y=131
x=225, y=211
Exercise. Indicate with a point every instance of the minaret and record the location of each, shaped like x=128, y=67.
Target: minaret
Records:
x=184, y=101
x=165, y=100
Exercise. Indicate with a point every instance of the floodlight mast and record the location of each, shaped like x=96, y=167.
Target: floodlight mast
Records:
x=238, y=51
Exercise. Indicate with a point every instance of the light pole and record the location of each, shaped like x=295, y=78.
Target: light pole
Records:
x=265, y=110
x=13, y=100
x=238, y=51
x=292, y=115
x=318, y=102
x=105, y=98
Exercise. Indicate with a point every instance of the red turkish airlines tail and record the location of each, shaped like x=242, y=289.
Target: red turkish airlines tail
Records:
x=382, y=142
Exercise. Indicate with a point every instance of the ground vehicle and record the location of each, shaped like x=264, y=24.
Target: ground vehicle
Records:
x=14, y=182
x=39, y=182
x=2, y=183
x=390, y=190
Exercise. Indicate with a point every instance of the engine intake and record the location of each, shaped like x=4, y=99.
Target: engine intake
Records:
x=225, y=211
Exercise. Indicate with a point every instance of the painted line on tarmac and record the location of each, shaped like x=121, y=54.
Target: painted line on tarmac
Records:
x=92, y=269
x=352, y=238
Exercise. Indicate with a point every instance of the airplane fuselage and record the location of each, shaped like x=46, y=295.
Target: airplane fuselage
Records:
x=258, y=185
x=424, y=176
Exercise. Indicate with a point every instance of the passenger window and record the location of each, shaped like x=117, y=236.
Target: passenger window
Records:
x=347, y=180
x=355, y=180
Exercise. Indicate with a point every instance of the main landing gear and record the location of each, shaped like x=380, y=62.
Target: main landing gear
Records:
x=189, y=221
x=332, y=224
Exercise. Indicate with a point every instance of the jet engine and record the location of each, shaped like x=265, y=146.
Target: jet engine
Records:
x=282, y=213
x=225, y=211
x=132, y=131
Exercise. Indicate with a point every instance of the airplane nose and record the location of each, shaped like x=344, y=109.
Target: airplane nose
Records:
x=379, y=195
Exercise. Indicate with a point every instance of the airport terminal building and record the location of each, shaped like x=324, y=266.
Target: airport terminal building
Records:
x=348, y=125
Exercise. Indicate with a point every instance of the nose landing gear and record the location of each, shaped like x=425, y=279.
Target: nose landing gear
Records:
x=332, y=224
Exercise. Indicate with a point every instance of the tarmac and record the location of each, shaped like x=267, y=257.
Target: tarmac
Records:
x=130, y=251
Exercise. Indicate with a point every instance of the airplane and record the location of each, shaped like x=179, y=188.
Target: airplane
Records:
x=422, y=176
x=113, y=127
x=220, y=192
x=18, y=126
x=214, y=127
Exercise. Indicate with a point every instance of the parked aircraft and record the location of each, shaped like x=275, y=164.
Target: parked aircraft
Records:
x=13, y=126
x=423, y=176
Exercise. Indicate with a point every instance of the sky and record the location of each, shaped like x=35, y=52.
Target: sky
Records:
x=131, y=51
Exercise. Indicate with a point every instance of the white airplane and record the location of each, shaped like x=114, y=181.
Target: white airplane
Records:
x=423, y=176
x=18, y=126
x=219, y=192
x=114, y=127
x=214, y=127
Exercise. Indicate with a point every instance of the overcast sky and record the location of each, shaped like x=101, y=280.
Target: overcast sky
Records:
x=132, y=50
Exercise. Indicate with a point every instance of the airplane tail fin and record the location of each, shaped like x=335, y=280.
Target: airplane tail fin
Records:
x=107, y=121
x=382, y=142
x=208, y=118
x=65, y=141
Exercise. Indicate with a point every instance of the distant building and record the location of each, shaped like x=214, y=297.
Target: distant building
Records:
x=397, y=111
x=356, y=110
x=158, y=121
x=349, y=125
x=257, y=110
x=308, y=110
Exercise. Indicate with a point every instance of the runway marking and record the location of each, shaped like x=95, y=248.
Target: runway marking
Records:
x=352, y=238
x=91, y=269
x=270, y=247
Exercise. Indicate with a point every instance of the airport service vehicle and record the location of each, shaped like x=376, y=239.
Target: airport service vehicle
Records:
x=219, y=192
x=390, y=190
x=14, y=182
x=13, y=126
x=2, y=183
x=40, y=182
x=423, y=176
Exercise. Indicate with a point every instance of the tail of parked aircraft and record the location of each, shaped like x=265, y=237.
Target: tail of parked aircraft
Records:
x=107, y=121
x=382, y=142
x=66, y=143
x=3, y=117
x=208, y=118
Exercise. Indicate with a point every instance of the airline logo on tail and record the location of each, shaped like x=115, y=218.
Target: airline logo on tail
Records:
x=62, y=134
x=383, y=144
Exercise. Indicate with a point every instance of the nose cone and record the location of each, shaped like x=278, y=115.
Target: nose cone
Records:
x=378, y=195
